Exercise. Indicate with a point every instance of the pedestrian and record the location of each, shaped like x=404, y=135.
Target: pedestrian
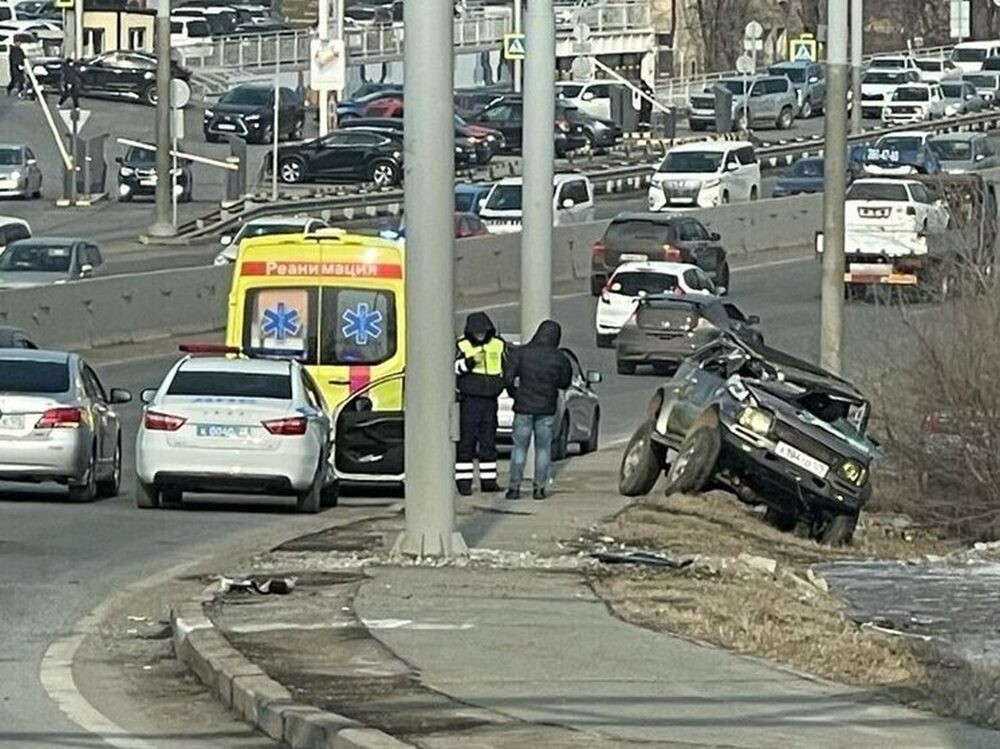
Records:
x=70, y=83
x=16, y=56
x=534, y=375
x=646, y=106
x=479, y=373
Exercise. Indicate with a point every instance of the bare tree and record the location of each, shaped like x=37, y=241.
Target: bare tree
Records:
x=721, y=23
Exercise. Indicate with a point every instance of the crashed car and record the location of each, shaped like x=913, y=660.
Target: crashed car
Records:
x=902, y=154
x=772, y=428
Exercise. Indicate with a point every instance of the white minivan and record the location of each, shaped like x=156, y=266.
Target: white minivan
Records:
x=572, y=203
x=970, y=56
x=592, y=97
x=705, y=174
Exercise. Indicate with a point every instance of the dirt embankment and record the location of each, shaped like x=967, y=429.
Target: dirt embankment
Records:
x=750, y=588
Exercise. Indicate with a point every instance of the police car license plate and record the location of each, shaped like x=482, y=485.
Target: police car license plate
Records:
x=798, y=458
x=12, y=421
x=223, y=431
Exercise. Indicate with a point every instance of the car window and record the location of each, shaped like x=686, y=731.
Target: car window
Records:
x=877, y=191
x=499, y=113
x=633, y=283
x=746, y=155
x=775, y=86
x=504, y=198
x=698, y=232
x=26, y=376
x=92, y=385
x=228, y=384
x=735, y=313
x=685, y=232
x=13, y=232
x=691, y=162
x=600, y=91
x=576, y=191
x=38, y=258
x=638, y=233
x=920, y=194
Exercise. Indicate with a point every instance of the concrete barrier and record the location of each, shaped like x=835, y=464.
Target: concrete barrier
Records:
x=135, y=307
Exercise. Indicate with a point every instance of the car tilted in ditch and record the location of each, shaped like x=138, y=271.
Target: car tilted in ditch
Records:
x=771, y=428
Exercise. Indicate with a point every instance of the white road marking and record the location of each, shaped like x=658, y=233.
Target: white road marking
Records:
x=370, y=624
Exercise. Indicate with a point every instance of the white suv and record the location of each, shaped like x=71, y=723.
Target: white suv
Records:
x=572, y=203
x=702, y=175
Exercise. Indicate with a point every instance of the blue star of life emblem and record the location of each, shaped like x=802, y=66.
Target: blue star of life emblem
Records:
x=363, y=323
x=281, y=322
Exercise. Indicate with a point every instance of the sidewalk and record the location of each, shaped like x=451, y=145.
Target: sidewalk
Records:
x=513, y=649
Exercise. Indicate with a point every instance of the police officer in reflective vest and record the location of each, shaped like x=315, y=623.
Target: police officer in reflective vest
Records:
x=479, y=372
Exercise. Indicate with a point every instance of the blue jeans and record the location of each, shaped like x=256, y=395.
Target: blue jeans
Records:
x=524, y=426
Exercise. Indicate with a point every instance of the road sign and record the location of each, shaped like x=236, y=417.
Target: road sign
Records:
x=180, y=93
x=582, y=69
x=753, y=30
x=802, y=49
x=959, y=17
x=581, y=32
x=513, y=47
x=744, y=64
x=66, y=115
x=753, y=45
x=65, y=3
x=328, y=65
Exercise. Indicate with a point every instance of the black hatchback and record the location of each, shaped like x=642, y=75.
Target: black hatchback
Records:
x=345, y=156
x=638, y=237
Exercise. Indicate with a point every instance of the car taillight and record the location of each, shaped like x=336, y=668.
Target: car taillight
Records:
x=286, y=427
x=160, y=422
x=562, y=125
x=67, y=417
x=672, y=253
x=597, y=251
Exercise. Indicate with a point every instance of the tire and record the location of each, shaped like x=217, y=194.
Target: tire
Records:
x=604, y=340
x=785, y=118
x=148, y=95
x=642, y=463
x=725, y=198
x=330, y=494
x=626, y=367
x=292, y=171
x=311, y=500
x=596, y=285
x=723, y=276
x=171, y=496
x=781, y=519
x=695, y=462
x=384, y=174
x=807, y=109
x=147, y=496
x=560, y=444
x=110, y=487
x=837, y=530
x=592, y=442
x=87, y=491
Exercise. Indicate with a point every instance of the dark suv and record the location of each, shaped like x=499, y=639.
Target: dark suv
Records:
x=248, y=112
x=137, y=176
x=345, y=156
x=772, y=428
x=678, y=238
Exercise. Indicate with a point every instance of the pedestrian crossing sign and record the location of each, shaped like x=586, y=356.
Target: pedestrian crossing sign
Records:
x=803, y=49
x=513, y=46
x=65, y=3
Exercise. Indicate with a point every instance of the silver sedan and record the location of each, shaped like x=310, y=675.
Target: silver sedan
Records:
x=20, y=176
x=57, y=423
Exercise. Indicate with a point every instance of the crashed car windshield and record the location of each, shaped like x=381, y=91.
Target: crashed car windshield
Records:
x=877, y=191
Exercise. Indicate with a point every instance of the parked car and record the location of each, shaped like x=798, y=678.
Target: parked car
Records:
x=389, y=104
x=970, y=56
x=117, y=75
x=137, y=176
x=705, y=174
x=756, y=100
x=58, y=424
x=263, y=227
x=631, y=282
x=11, y=337
x=987, y=85
x=937, y=69
x=41, y=261
x=11, y=230
x=344, y=156
x=355, y=106
x=507, y=116
x=774, y=429
x=809, y=81
x=878, y=86
x=248, y=112
x=960, y=97
x=670, y=237
x=590, y=97
x=467, y=226
x=964, y=152
x=20, y=175
x=191, y=36
x=471, y=102
x=467, y=149
x=490, y=141
x=914, y=102
x=894, y=62
x=572, y=202
x=470, y=197
x=578, y=410
x=806, y=177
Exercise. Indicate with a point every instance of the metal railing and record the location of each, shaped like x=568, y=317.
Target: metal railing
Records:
x=676, y=91
x=253, y=51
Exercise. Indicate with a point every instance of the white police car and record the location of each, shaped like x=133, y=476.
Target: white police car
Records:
x=224, y=425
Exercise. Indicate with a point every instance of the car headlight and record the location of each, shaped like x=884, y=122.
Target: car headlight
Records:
x=252, y=117
x=150, y=76
x=491, y=138
x=209, y=113
x=397, y=155
x=16, y=174
x=853, y=472
x=757, y=420
x=40, y=71
x=126, y=171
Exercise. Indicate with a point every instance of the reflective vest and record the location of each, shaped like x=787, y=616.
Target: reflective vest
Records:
x=492, y=363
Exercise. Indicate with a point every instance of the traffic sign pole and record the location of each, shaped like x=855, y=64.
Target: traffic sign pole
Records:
x=75, y=119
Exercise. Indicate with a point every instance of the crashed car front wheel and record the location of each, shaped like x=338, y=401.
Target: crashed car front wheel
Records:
x=694, y=465
x=836, y=529
x=641, y=464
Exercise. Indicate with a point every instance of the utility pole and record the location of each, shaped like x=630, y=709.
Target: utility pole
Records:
x=163, y=226
x=518, y=28
x=857, y=51
x=324, y=92
x=538, y=158
x=834, y=187
x=429, y=205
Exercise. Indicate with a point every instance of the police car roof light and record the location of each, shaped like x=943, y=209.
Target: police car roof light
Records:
x=209, y=348
x=327, y=232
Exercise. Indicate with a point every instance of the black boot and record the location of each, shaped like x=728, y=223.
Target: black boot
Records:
x=513, y=493
x=539, y=493
x=464, y=488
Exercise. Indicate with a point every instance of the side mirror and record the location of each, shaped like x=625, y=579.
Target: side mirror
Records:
x=147, y=395
x=588, y=96
x=720, y=290
x=482, y=203
x=814, y=79
x=732, y=166
x=594, y=377
x=980, y=156
x=226, y=239
x=86, y=269
x=715, y=236
x=31, y=162
x=753, y=320
x=120, y=395
x=568, y=203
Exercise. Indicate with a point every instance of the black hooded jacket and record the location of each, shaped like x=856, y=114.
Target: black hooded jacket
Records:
x=537, y=371
x=475, y=384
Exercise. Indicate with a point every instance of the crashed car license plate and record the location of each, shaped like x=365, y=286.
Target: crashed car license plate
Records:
x=12, y=421
x=798, y=458
x=633, y=257
x=223, y=431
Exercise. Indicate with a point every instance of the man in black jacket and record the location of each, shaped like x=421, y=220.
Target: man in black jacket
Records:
x=535, y=373
x=16, y=62
x=479, y=373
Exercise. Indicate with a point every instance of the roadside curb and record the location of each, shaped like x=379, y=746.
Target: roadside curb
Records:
x=250, y=693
